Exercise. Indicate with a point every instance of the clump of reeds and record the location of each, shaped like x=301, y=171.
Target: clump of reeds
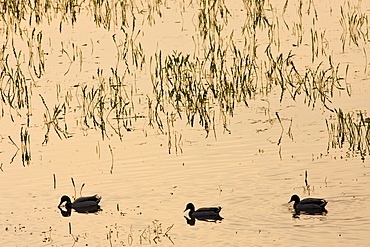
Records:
x=124, y=14
x=350, y=130
x=15, y=88
x=155, y=233
x=256, y=16
x=354, y=24
x=212, y=17
x=152, y=234
x=316, y=84
x=107, y=102
x=129, y=51
x=176, y=81
x=53, y=118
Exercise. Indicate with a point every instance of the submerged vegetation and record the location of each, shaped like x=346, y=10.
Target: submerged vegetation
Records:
x=231, y=63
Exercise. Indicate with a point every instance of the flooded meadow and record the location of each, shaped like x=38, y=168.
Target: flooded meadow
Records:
x=154, y=104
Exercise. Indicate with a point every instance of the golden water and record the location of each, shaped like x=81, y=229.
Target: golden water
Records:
x=143, y=187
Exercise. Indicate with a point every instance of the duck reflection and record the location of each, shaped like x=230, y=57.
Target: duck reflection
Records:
x=83, y=205
x=191, y=221
x=297, y=213
x=210, y=214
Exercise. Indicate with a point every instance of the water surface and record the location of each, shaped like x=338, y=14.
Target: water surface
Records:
x=250, y=167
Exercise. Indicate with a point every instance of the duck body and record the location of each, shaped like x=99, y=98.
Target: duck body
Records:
x=308, y=205
x=204, y=213
x=89, y=204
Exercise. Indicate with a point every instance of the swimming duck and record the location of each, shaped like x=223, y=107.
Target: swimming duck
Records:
x=89, y=204
x=211, y=213
x=308, y=205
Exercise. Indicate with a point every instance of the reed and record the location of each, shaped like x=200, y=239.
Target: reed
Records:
x=112, y=157
x=16, y=152
x=25, y=146
x=74, y=187
x=307, y=187
x=54, y=181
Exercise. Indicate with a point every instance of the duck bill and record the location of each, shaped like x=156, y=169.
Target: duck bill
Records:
x=60, y=204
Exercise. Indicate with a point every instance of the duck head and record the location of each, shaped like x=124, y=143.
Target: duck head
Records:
x=190, y=206
x=294, y=199
x=65, y=199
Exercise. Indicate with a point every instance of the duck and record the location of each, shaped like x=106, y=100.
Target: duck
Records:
x=308, y=205
x=89, y=204
x=209, y=213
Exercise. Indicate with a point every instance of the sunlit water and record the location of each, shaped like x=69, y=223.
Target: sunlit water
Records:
x=145, y=188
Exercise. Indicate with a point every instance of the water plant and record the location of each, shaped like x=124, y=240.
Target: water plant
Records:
x=15, y=89
x=354, y=24
x=53, y=119
x=230, y=66
x=350, y=130
x=25, y=146
x=154, y=233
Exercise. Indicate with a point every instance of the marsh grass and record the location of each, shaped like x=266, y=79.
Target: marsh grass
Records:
x=184, y=86
x=354, y=23
x=107, y=102
x=129, y=51
x=123, y=14
x=76, y=54
x=205, y=88
x=350, y=130
x=53, y=119
x=154, y=233
x=15, y=87
x=230, y=66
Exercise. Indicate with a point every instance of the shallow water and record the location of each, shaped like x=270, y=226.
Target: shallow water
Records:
x=145, y=188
